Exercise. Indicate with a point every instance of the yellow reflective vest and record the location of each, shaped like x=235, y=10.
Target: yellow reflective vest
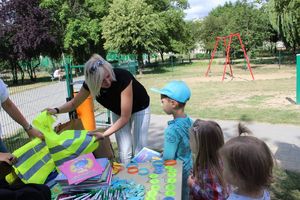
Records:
x=37, y=159
x=34, y=162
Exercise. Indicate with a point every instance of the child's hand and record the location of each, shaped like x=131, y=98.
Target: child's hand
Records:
x=8, y=158
x=191, y=181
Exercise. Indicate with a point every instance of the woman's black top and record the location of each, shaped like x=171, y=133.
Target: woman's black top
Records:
x=110, y=97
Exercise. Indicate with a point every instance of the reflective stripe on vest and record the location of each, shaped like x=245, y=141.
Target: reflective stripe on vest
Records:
x=66, y=143
x=71, y=148
x=34, y=162
x=35, y=168
x=24, y=157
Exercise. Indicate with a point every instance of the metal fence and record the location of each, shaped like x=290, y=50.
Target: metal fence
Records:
x=30, y=100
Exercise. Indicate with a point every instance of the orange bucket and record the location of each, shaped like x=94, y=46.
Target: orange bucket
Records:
x=85, y=112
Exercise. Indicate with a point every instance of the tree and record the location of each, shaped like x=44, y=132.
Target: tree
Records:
x=26, y=33
x=212, y=27
x=132, y=27
x=190, y=34
x=285, y=18
x=173, y=31
x=80, y=25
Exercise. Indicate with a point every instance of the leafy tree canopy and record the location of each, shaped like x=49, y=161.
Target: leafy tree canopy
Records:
x=284, y=16
x=80, y=24
x=175, y=36
x=28, y=28
x=26, y=33
x=239, y=17
x=132, y=27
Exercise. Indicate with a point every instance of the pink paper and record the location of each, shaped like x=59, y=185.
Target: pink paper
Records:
x=81, y=168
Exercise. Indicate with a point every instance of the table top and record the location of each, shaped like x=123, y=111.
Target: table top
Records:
x=163, y=177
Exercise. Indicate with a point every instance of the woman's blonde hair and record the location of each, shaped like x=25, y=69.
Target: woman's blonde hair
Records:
x=94, y=73
x=208, y=139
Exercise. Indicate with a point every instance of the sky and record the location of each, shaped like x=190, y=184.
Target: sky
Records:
x=201, y=8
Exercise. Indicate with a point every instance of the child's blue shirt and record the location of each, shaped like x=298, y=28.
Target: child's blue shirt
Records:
x=177, y=142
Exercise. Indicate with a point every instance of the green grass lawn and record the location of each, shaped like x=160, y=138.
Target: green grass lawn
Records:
x=240, y=98
x=43, y=79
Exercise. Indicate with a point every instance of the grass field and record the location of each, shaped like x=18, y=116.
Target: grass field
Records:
x=269, y=98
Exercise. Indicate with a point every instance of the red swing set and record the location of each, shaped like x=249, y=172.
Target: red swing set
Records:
x=227, y=47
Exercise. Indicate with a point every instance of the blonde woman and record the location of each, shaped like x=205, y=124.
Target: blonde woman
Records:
x=117, y=90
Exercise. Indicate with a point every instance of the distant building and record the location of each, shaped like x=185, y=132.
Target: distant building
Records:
x=199, y=48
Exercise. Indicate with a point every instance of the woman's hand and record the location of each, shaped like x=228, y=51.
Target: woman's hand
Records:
x=8, y=158
x=35, y=133
x=191, y=181
x=51, y=111
x=98, y=135
x=70, y=105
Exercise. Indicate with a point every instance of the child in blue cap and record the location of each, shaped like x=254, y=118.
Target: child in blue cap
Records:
x=176, y=136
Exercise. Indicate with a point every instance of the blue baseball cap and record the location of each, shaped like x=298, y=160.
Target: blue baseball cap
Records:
x=176, y=90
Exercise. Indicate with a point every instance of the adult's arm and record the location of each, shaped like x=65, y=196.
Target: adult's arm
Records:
x=16, y=115
x=72, y=104
x=126, y=109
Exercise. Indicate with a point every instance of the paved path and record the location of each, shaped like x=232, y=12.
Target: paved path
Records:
x=283, y=140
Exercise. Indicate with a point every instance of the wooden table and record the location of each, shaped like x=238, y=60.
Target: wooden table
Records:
x=144, y=180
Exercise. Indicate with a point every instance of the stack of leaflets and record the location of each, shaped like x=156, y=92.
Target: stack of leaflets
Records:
x=73, y=177
x=146, y=155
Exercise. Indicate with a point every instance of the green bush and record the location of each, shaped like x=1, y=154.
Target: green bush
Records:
x=286, y=185
x=202, y=56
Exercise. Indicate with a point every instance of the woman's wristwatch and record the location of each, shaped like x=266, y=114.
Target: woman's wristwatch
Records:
x=57, y=110
x=28, y=128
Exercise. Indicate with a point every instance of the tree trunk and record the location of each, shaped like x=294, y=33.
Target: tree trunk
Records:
x=29, y=70
x=14, y=71
x=149, y=57
x=162, y=56
x=34, y=74
x=22, y=73
x=140, y=62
